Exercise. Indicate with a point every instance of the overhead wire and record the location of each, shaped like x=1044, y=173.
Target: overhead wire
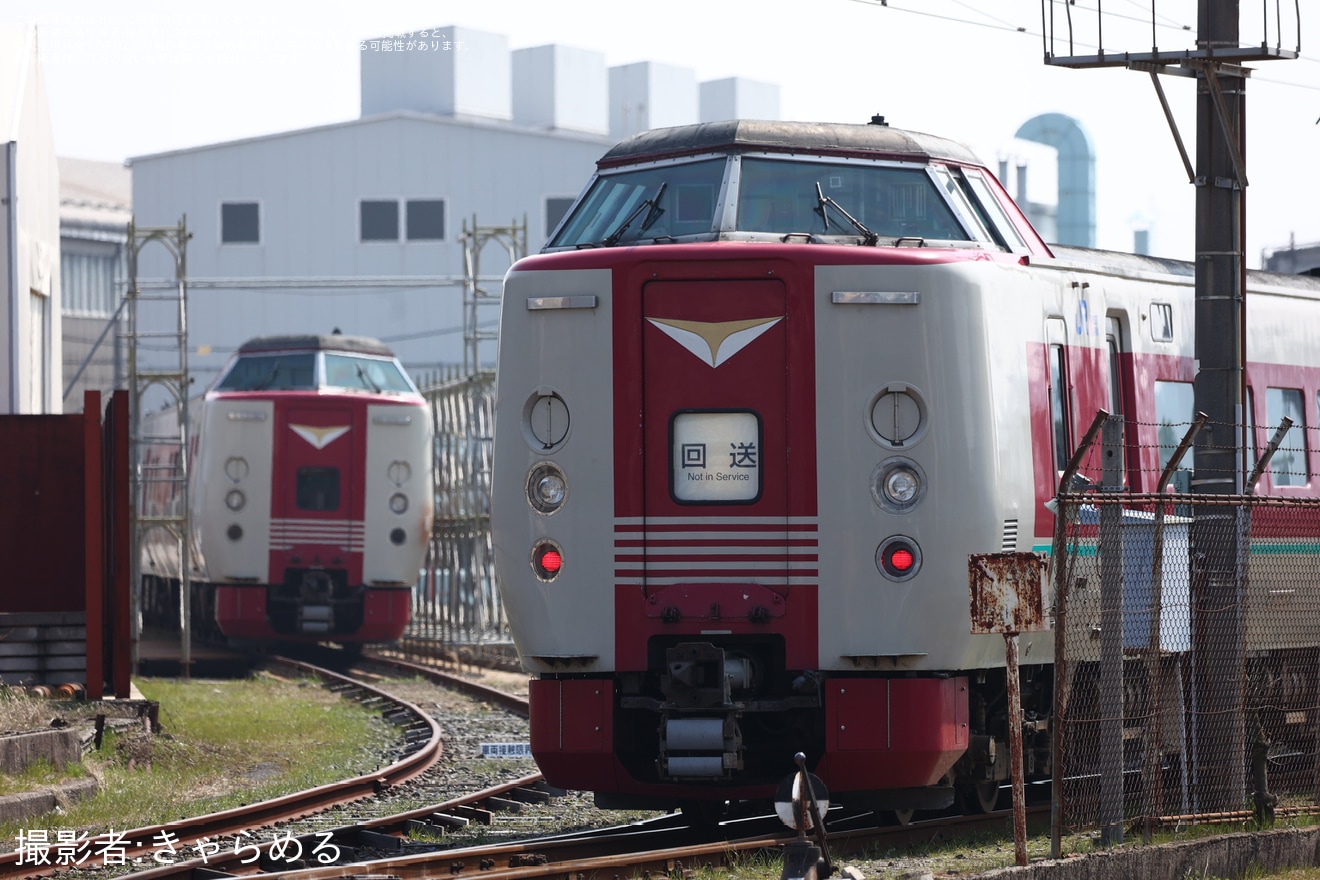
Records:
x=1000, y=24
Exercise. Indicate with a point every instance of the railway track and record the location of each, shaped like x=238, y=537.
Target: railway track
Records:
x=421, y=750
x=664, y=845
x=389, y=845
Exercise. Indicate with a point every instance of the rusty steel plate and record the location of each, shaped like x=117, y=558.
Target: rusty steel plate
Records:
x=1007, y=592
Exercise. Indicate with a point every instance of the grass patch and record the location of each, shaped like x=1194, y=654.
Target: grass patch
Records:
x=223, y=744
x=38, y=775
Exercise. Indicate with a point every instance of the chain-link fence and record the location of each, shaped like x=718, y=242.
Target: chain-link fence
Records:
x=1187, y=631
x=456, y=607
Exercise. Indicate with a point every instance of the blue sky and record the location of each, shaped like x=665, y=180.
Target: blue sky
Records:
x=169, y=75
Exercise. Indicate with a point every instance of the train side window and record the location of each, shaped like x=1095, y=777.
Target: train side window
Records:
x=318, y=488
x=1175, y=403
x=992, y=212
x=1114, y=343
x=1060, y=409
x=1250, y=418
x=1288, y=467
x=1161, y=322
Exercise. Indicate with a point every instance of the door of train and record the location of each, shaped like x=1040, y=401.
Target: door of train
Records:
x=316, y=517
x=715, y=418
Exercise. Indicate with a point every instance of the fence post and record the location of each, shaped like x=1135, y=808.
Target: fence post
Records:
x=1152, y=779
x=1063, y=511
x=1111, y=637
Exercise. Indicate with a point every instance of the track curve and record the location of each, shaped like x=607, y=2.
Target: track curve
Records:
x=149, y=840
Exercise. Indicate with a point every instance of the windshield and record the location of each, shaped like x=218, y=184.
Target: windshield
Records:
x=364, y=374
x=296, y=371
x=667, y=201
x=785, y=197
x=286, y=371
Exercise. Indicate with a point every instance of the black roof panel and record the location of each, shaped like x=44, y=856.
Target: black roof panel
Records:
x=317, y=342
x=738, y=135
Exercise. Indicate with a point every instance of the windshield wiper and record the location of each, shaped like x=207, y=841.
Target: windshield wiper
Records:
x=652, y=214
x=362, y=374
x=267, y=379
x=868, y=237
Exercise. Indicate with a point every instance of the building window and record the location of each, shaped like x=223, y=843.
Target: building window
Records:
x=240, y=223
x=380, y=219
x=426, y=219
x=555, y=209
x=87, y=277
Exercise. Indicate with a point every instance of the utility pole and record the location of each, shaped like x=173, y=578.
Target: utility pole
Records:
x=1218, y=537
x=1218, y=687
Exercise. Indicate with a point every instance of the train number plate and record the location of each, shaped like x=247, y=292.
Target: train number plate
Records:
x=715, y=457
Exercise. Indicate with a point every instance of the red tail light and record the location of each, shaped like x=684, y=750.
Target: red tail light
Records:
x=551, y=561
x=547, y=560
x=898, y=558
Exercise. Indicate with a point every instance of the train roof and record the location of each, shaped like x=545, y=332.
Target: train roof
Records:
x=1121, y=263
x=874, y=140
x=317, y=342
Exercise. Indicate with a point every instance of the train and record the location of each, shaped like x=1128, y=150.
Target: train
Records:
x=765, y=390
x=311, y=496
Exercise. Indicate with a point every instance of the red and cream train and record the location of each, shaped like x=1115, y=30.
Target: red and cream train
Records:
x=762, y=394
x=310, y=491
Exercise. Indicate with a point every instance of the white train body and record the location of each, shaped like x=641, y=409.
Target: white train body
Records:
x=311, y=493
x=741, y=462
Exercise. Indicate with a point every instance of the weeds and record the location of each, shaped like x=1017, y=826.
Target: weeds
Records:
x=223, y=744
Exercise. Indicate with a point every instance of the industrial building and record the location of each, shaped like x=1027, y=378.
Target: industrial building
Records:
x=1293, y=259
x=95, y=208
x=358, y=225
x=30, y=327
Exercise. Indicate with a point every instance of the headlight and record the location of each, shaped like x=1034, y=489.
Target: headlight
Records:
x=399, y=472
x=398, y=502
x=235, y=500
x=236, y=468
x=898, y=484
x=547, y=488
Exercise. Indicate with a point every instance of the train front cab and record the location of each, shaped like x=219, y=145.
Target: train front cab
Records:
x=719, y=679
x=316, y=549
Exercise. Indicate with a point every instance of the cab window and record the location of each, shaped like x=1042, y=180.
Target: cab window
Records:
x=667, y=201
x=781, y=196
x=283, y=371
x=364, y=374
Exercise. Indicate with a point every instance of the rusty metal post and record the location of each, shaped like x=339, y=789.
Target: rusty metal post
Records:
x=802, y=858
x=1015, y=748
x=1007, y=592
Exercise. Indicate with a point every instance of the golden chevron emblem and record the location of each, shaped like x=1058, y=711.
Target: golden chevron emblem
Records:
x=320, y=437
x=714, y=342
